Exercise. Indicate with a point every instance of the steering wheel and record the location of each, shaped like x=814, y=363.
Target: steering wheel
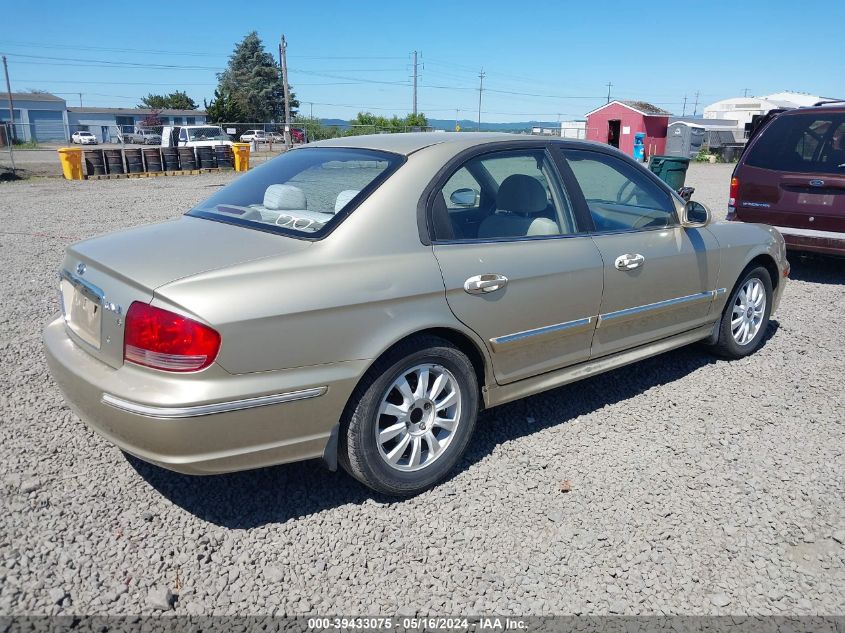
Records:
x=623, y=197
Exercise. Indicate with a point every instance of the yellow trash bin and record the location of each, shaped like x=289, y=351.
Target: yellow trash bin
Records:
x=71, y=159
x=241, y=152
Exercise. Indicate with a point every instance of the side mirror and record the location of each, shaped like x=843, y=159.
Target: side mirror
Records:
x=695, y=214
x=465, y=197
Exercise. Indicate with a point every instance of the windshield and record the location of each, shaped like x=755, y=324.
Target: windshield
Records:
x=303, y=192
x=207, y=134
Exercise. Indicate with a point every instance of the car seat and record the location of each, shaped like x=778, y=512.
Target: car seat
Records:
x=284, y=198
x=519, y=202
x=344, y=197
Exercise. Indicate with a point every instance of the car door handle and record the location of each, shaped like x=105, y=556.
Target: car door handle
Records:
x=629, y=261
x=482, y=284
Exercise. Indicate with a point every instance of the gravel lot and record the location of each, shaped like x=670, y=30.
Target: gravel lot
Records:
x=698, y=486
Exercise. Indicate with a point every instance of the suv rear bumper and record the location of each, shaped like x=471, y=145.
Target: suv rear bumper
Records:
x=825, y=242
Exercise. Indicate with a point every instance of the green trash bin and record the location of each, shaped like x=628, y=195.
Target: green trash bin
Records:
x=670, y=169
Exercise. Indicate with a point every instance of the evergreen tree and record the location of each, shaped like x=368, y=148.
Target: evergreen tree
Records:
x=223, y=108
x=251, y=90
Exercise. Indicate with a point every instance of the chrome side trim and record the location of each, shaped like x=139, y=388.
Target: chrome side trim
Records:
x=548, y=329
x=719, y=291
x=173, y=413
x=655, y=307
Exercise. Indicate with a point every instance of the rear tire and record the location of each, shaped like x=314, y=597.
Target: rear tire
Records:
x=410, y=419
x=746, y=315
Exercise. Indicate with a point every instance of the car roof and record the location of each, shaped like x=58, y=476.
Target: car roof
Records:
x=409, y=142
x=833, y=106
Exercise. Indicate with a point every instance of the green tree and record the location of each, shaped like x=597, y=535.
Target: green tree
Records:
x=252, y=82
x=223, y=108
x=369, y=123
x=178, y=100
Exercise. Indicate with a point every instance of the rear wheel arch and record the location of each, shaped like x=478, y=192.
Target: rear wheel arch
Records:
x=460, y=340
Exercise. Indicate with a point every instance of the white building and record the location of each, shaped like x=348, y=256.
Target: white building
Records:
x=574, y=129
x=744, y=109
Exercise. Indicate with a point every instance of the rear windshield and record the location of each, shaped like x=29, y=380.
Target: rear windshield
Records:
x=811, y=142
x=303, y=192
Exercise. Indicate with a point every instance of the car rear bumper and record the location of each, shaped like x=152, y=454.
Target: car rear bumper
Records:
x=826, y=242
x=199, y=424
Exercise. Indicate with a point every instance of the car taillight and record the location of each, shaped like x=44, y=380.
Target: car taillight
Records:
x=164, y=340
x=734, y=194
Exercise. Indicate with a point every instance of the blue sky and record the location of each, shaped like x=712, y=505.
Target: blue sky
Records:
x=542, y=60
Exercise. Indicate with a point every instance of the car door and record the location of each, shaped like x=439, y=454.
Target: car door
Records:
x=518, y=269
x=659, y=277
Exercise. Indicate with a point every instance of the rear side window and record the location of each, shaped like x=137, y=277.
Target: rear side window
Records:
x=302, y=192
x=812, y=142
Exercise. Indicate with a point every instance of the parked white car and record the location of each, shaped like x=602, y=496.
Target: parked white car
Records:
x=83, y=138
x=254, y=135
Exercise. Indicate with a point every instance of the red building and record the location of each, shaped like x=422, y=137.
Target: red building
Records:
x=617, y=122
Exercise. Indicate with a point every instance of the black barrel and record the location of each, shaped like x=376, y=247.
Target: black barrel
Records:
x=224, y=156
x=170, y=158
x=187, y=158
x=114, y=161
x=94, y=165
x=205, y=157
x=134, y=165
x=152, y=157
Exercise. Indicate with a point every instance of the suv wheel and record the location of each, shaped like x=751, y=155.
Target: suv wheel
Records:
x=411, y=417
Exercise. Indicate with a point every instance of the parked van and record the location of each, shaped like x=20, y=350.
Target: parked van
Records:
x=194, y=136
x=792, y=176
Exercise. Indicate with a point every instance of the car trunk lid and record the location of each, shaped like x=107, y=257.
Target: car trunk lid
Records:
x=101, y=277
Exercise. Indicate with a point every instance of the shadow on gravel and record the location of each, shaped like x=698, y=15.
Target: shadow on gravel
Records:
x=275, y=495
x=817, y=269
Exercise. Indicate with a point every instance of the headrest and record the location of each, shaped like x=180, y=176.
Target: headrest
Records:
x=523, y=194
x=344, y=197
x=284, y=198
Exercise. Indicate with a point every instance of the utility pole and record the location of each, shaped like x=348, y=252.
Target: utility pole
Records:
x=685, y=106
x=745, y=92
x=695, y=110
x=283, y=56
x=80, y=99
x=480, y=90
x=609, y=86
x=11, y=103
x=415, y=84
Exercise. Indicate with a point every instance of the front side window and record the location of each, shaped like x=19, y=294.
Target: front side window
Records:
x=802, y=143
x=508, y=194
x=302, y=192
x=619, y=197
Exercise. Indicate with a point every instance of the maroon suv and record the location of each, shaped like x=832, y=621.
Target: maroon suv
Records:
x=792, y=176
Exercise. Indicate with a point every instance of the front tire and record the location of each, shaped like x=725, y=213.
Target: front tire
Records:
x=411, y=418
x=746, y=315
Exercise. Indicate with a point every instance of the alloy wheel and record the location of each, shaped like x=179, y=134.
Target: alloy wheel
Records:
x=418, y=416
x=748, y=311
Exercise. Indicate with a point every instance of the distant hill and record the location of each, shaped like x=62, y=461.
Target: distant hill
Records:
x=468, y=125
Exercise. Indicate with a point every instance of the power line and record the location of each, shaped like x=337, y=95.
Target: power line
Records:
x=187, y=53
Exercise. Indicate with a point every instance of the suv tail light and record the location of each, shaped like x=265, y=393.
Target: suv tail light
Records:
x=168, y=341
x=734, y=194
